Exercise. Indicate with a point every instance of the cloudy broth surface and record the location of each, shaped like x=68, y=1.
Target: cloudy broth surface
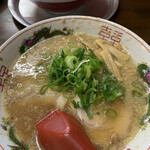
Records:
x=25, y=106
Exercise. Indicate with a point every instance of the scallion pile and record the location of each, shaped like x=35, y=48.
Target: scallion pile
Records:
x=82, y=73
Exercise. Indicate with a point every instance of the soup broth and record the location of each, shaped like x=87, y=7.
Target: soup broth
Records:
x=25, y=106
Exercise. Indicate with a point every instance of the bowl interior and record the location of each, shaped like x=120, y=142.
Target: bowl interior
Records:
x=114, y=33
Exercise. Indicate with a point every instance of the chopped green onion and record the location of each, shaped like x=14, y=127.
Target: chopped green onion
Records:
x=111, y=88
x=41, y=76
x=65, y=92
x=72, y=78
x=65, y=50
x=79, y=53
x=91, y=98
x=83, y=45
x=92, y=53
x=43, y=89
x=66, y=72
x=89, y=114
x=54, y=74
x=98, y=113
x=75, y=104
x=57, y=82
x=71, y=45
x=101, y=105
x=111, y=113
x=82, y=86
x=76, y=72
x=89, y=95
x=87, y=69
x=51, y=62
x=71, y=61
x=45, y=56
x=82, y=62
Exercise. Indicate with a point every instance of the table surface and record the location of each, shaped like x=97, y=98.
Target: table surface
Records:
x=133, y=14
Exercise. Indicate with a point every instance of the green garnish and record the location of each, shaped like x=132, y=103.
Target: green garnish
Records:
x=147, y=115
x=98, y=113
x=41, y=78
x=43, y=33
x=19, y=145
x=82, y=73
x=71, y=45
x=141, y=68
x=72, y=79
x=75, y=104
x=65, y=92
x=71, y=61
x=111, y=113
x=142, y=71
x=59, y=32
x=43, y=89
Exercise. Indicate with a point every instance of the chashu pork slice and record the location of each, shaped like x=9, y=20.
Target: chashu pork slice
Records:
x=103, y=127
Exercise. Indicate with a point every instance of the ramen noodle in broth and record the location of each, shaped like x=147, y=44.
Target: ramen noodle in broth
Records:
x=112, y=125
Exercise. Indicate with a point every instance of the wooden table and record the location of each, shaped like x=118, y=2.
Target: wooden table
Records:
x=133, y=14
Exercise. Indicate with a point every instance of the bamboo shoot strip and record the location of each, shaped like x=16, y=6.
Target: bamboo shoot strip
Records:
x=119, y=46
x=99, y=42
x=117, y=53
x=110, y=64
x=118, y=63
x=97, y=53
x=89, y=45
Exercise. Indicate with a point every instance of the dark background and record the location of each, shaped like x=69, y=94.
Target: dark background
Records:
x=133, y=14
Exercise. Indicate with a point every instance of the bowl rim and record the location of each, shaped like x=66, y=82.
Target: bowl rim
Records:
x=90, y=18
x=95, y=19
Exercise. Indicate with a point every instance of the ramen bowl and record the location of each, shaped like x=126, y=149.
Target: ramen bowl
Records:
x=103, y=29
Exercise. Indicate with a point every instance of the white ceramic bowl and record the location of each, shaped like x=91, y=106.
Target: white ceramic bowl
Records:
x=136, y=47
